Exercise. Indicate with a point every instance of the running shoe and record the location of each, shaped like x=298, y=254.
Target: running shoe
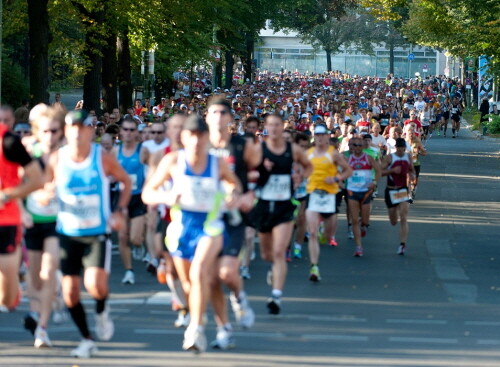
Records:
x=152, y=265
x=333, y=242
x=245, y=272
x=439, y=133
x=42, y=338
x=161, y=272
x=59, y=316
x=182, y=319
x=104, y=326
x=350, y=233
x=86, y=349
x=223, y=339
x=401, y=250
x=297, y=252
x=245, y=317
x=269, y=277
x=194, y=339
x=138, y=252
x=129, y=277
x=375, y=194
x=358, y=252
x=363, y=231
x=314, y=274
x=453, y=136
x=30, y=322
x=274, y=305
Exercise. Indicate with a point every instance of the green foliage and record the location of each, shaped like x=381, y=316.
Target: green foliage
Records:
x=14, y=84
x=493, y=124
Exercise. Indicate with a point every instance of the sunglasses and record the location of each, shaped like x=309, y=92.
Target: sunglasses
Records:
x=23, y=132
x=357, y=145
x=52, y=131
x=156, y=132
x=128, y=129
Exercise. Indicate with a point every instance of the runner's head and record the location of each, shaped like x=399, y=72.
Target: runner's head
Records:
x=128, y=130
x=194, y=135
x=274, y=126
x=48, y=125
x=174, y=127
x=219, y=115
x=355, y=145
x=7, y=116
x=79, y=130
x=157, y=132
x=321, y=135
x=400, y=146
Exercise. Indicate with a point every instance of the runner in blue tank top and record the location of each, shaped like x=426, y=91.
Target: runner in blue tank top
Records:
x=80, y=172
x=196, y=198
x=134, y=230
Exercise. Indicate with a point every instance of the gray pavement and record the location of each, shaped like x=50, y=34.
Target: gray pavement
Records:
x=436, y=306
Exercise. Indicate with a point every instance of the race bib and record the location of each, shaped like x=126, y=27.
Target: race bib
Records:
x=34, y=207
x=321, y=202
x=301, y=192
x=277, y=188
x=398, y=196
x=198, y=194
x=133, y=180
x=80, y=212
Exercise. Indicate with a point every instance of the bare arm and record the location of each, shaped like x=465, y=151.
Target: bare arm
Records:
x=252, y=153
x=144, y=155
x=151, y=194
x=32, y=180
x=113, y=168
x=300, y=157
x=340, y=161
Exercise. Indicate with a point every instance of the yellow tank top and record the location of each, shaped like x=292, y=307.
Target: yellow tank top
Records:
x=323, y=167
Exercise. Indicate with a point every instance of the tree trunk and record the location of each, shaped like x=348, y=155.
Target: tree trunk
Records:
x=92, y=81
x=39, y=51
x=229, y=69
x=248, y=58
x=391, y=57
x=109, y=73
x=219, y=73
x=328, y=60
x=124, y=72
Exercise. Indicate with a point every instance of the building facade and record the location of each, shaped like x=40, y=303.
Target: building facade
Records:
x=285, y=51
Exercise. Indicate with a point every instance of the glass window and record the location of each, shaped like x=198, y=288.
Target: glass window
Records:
x=292, y=51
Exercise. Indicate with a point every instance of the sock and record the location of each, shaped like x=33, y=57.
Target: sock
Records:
x=403, y=244
x=100, y=304
x=276, y=293
x=228, y=327
x=78, y=315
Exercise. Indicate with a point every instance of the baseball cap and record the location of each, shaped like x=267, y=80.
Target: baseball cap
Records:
x=195, y=123
x=320, y=129
x=78, y=117
x=367, y=136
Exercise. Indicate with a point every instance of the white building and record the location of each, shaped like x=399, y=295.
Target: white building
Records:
x=279, y=50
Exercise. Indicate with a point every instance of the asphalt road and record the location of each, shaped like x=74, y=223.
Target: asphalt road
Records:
x=436, y=306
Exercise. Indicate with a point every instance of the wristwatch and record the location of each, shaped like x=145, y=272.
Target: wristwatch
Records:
x=4, y=198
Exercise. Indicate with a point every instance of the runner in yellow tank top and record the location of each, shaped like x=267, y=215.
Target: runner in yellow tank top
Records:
x=321, y=188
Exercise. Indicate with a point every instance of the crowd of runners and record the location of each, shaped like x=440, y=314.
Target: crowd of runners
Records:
x=188, y=183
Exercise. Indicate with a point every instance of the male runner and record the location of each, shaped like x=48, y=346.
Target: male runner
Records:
x=40, y=222
x=13, y=155
x=194, y=237
x=128, y=155
x=80, y=171
x=274, y=213
x=397, y=167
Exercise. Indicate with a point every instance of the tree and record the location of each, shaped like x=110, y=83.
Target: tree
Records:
x=38, y=20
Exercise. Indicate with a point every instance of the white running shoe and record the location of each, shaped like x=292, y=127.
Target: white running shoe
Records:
x=86, y=349
x=138, y=252
x=59, y=317
x=223, y=340
x=194, y=339
x=245, y=272
x=42, y=338
x=182, y=319
x=104, y=326
x=245, y=317
x=129, y=277
x=269, y=277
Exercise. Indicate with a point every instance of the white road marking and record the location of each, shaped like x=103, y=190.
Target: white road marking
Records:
x=482, y=323
x=422, y=322
x=403, y=339
x=488, y=342
x=329, y=337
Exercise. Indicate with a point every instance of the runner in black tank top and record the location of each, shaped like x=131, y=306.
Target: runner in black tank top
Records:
x=274, y=213
x=241, y=155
